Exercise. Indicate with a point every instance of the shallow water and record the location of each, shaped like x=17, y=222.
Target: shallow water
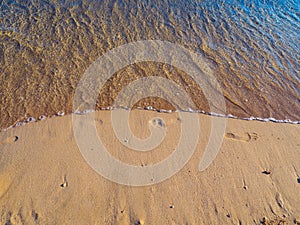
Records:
x=45, y=48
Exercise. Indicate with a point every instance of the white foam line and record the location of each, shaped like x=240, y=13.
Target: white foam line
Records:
x=150, y=108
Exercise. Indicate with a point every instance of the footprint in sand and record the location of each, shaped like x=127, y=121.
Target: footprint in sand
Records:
x=10, y=140
x=242, y=137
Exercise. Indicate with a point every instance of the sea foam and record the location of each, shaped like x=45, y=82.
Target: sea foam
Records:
x=150, y=108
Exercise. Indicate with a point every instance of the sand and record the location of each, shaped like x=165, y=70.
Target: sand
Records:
x=254, y=179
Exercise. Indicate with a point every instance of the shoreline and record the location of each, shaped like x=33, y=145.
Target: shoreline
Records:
x=28, y=120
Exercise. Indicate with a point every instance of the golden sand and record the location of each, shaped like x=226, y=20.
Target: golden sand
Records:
x=254, y=179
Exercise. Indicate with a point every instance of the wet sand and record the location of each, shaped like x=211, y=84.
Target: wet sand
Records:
x=254, y=179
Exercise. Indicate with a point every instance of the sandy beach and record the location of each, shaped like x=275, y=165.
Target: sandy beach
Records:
x=233, y=66
x=255, y=178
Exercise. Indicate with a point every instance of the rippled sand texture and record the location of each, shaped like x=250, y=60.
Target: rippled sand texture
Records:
x=46, y=47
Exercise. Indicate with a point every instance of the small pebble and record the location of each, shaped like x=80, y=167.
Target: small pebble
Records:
x=18, y=124
x=267, y=172
x=171, y=206
x=64, y=184
x=31, y=119
x=60, y=113
x=42, y=117
x=139, y=222
x=157, y=122
x=264, y=220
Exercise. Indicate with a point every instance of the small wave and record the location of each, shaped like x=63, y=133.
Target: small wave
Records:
x=150, y=108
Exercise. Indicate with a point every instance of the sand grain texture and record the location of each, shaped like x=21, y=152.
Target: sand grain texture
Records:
x=45, y=180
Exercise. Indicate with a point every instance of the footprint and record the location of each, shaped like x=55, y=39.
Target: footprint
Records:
x=10, y=140
x=242, y=137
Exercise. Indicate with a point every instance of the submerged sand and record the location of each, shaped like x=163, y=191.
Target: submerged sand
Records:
x=46, y=47
x=254, y=179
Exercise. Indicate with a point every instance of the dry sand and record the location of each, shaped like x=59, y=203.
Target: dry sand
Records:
x=254, y=179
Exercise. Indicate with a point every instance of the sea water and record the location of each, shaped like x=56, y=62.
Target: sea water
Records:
x=46, y=47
